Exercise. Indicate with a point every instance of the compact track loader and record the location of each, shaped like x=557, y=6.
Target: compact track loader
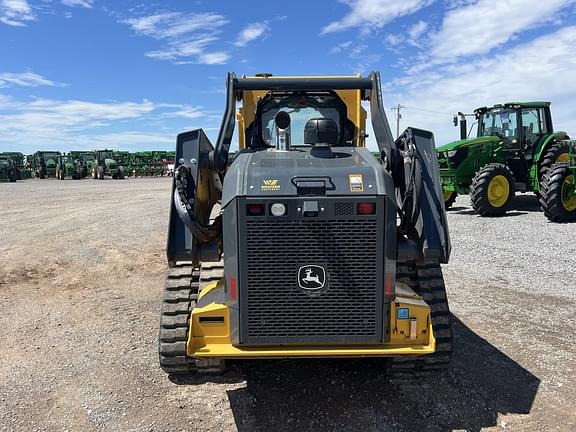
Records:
x=304, y=244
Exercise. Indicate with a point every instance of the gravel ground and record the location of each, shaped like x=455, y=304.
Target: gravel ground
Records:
x=80, y=289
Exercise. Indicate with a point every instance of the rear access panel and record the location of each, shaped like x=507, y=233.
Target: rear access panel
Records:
x=315, y=278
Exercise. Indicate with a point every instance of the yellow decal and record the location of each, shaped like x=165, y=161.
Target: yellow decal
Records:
x=270, y=185
x=356, y=183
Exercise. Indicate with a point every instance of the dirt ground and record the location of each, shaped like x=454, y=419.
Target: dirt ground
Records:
x=81, y=273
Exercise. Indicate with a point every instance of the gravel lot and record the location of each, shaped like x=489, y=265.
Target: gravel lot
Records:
x=81, y=270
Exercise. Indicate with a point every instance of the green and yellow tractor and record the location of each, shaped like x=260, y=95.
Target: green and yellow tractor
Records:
x=106, y=165
x=44, y=163
x=558, y=192
x=514, y=149
x=68, y=166
x=123, y=159
x=19, y=163
x=85, y=159
x=8, y=171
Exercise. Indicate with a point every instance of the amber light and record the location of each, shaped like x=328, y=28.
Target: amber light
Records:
x=366, y=208
x=255, y=209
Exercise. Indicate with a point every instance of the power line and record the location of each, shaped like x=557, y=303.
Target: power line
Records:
x=427, y=110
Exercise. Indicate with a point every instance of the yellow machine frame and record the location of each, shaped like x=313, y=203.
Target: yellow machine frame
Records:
x=351, y=98
x=210, y=337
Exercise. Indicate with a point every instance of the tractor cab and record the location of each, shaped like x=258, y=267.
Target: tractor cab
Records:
x=520, y=126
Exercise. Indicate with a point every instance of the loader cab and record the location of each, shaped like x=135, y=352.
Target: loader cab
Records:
x=259, y=107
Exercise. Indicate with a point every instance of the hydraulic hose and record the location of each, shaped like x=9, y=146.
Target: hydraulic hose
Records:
x=411, y=198
x=184, y=203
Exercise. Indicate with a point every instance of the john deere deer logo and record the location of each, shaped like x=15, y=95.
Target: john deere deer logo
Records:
x=311, y=277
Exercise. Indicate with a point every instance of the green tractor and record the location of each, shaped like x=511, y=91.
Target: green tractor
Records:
x=68, y=166
x=85, y=159
x=123, y=159
x=558, y=192
x=8, y=171
x=19, y=162
x=44, y=163
x=514, y=149
x=106, y=165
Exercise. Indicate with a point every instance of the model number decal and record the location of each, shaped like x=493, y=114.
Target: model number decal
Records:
x=270, y=185
x=356, y=183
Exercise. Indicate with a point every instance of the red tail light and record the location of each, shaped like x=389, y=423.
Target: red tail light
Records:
x=255, y=209
x=366, y=208
x=233, y=288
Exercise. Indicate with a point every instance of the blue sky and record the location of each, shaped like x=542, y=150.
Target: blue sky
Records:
x=131, y=74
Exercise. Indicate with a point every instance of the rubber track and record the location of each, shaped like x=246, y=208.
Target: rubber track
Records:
x=182, y=286
x=180, y=295
x=426, y=280
x=551, y=194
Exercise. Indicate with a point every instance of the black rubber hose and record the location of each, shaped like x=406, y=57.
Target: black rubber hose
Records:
x=184, y=203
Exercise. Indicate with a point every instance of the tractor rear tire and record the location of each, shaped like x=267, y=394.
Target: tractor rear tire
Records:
x=554, y=199
x=121, y=173
x=558, y=152
x=12, y=175
x=449, y=199
x=427, y=281
x=492, y=190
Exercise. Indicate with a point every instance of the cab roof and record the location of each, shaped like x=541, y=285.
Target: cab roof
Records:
x=534, y=104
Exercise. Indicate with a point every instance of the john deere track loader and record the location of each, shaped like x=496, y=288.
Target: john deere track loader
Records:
x=304, y=244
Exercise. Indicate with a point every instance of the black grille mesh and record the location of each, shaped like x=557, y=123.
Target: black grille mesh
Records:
x=277, y=309
x=344, y=209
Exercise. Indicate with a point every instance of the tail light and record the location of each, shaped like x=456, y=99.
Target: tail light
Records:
x=255, y=209
x=366, y=208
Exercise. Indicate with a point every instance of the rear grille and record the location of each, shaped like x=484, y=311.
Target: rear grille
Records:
x=344, y=209
x=348, y=309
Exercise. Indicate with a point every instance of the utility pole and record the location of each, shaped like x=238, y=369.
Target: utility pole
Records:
x=398, y=115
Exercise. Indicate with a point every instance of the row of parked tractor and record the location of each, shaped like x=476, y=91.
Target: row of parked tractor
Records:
x=81, y=164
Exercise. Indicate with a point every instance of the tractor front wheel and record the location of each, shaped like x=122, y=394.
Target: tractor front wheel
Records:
x=12, y=176
x=100, y=173
x=558, y=193
x=449, y=199
x=121, y=173
x=492, y=190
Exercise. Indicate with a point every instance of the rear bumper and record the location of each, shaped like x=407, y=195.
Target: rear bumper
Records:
x=209, y=334
x=228, y=351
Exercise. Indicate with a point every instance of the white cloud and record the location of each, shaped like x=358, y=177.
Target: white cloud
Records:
x=478, y=28
x=417, y=30
x=542, y=69
x=171, y=25
x=374, y=13
x=81, y=3
x=185, y=34
x=214, y=58
x=251, y=32
x=340, y=47
x=63, y=123
x=394, y=40
x=15, y=12
x=25, y=79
